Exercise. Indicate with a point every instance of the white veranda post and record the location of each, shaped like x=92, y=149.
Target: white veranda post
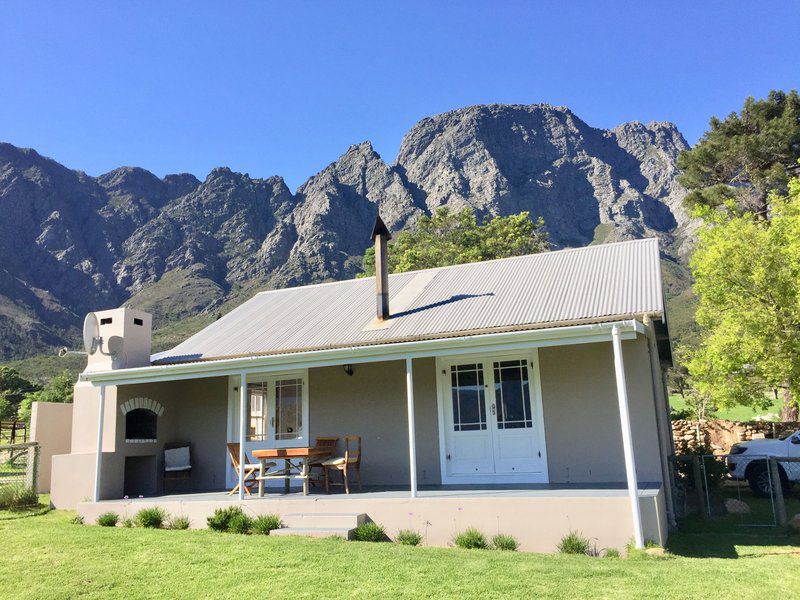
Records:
x=412, y=440
x=98, y=461
x=627, y=437
x=242, y=430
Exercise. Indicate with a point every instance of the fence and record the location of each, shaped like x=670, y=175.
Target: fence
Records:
x=13, y=432
x=19, y=465
x=751, y=490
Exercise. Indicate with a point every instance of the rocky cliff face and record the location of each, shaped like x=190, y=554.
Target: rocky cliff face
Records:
x=70, y=243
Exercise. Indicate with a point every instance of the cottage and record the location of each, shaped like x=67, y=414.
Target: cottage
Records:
x=522, y=395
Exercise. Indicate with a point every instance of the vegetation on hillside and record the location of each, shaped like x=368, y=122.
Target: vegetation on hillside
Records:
x=454, y=238
x=17, y=393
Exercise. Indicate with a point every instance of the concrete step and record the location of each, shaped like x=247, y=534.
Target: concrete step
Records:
x=327, y=520
x=315, y=532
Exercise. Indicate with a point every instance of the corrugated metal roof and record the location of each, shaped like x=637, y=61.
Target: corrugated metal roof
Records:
x=592, y=284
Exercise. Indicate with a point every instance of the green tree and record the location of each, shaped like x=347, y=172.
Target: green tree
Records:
x=13, y=388
x=747, y=273
x=452, y=238
x=59, y=389
x=743, y=158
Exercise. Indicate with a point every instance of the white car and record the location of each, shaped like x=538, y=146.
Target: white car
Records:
x=747, y=460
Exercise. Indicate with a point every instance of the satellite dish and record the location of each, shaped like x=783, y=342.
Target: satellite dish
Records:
x=91, y=333
x=115, y=345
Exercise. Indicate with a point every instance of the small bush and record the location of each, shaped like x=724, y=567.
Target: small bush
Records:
x=13, y=497
x=503, y=541
x=108, y=519
x=240, y=523
x=76, y=520
x=369, y=532
x=574, y=543
x=612, y=553
x=408, y=537
x=220, y=520
x=151, y=518
x=263, y=524
x=471, y=538
x=178, y=523
x=127, y=523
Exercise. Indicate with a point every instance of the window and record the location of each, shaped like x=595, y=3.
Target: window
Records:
x=276, y=409
x=512, y=394
x=258, y=413
x=288, y=408
x=141, y=424
x=468, y=397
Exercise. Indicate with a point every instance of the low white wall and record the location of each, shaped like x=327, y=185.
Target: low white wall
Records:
x=51, y=428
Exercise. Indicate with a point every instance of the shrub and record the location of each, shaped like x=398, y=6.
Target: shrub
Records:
x=263, y=524
x=178, y=523
x=369, y=532
x=127, y=523
x=17, y=496
x=151, y=518
x=240, y=523
x=220, y=520
x=503, y=541
x=612, y=553
x=108, y=519
x=408, y=537
x=573, y=543
x=76, y=520
x=471, y=538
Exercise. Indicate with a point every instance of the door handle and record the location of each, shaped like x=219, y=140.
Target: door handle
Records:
x=448, y=457
x=493, y=412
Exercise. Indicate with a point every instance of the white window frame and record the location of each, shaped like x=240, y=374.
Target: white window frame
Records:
x=443, y=395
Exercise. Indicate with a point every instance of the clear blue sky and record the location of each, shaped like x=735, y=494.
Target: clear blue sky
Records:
x=284, y=88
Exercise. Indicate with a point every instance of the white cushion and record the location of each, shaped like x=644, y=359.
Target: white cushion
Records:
x=177, y=459
x=332, y=462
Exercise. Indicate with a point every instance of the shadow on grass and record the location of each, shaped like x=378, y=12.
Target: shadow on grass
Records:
x=736, y=536
x=23, y=513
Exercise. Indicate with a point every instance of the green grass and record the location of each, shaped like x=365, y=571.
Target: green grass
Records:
x=735, y=413
x=48, y=557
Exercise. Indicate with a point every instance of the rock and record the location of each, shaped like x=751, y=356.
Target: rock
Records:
x=736, y=507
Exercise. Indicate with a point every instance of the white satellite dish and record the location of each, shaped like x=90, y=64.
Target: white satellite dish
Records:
x=115, y=345
x=91, y=333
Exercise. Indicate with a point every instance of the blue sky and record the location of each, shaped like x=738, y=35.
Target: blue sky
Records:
x=284, y=88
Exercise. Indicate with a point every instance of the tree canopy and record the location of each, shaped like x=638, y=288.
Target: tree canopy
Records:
x=59, y=389
x=451, y=238
x=13, y=388
x=747, y=273
x=741, y=159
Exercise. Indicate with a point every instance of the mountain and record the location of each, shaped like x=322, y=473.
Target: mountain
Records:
x=177, y=247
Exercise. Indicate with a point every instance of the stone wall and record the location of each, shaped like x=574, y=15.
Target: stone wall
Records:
x=720, y=435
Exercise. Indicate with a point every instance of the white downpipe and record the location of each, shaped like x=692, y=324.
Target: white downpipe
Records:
x=412, y=438
x=627, y=437
x=242, y=430
x=98, y=461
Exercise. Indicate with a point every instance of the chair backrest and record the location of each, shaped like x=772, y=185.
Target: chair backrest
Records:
x=177, y=456
x=327, y=443
x=233, y=454
x=352, y=455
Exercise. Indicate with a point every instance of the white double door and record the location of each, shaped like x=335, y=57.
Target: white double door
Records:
x=492, y=418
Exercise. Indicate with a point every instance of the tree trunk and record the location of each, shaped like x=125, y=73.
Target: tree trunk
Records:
x=789, y=411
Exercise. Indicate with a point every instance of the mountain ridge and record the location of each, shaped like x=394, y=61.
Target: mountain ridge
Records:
x=178, y=246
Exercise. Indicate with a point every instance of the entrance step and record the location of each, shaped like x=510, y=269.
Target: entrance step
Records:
x=316, y=532
x=324, y=524
x=323, y=520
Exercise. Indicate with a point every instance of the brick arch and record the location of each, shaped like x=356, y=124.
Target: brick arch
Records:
x=146, y=403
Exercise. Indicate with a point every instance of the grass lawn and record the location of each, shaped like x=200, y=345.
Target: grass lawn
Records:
x=735, y=413
x=45, y=556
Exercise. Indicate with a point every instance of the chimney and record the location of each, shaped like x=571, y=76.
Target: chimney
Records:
x=381, y=236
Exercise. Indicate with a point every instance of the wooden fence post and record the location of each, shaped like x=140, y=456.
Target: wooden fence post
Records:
x=777, y=492
x=32, y=467
x=698, y=485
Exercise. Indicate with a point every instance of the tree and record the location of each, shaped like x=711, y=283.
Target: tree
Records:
x=743, y=158
x=13, y=388
x=59, y=389
x=452, y=238
x=747, y=273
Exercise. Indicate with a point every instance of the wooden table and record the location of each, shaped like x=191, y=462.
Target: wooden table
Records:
x=301, y=457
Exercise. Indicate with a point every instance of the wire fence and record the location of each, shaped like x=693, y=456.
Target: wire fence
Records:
x=749, y=490
x=13, y=432
x=19, y=465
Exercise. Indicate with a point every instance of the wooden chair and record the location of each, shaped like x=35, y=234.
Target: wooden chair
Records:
x=350, y=462
x=322, y=443
x=251, y=469
x=177, y=462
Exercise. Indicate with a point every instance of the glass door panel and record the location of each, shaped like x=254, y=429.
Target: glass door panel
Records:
x=288, y=409
x=512, y=395
x=258, y=412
